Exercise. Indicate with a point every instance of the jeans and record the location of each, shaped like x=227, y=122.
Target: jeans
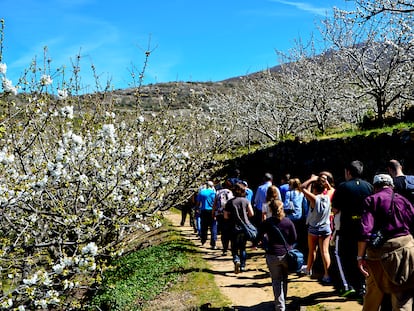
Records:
x=223, y=228
x=238, y=248
x=279, y=273
x=207, y=222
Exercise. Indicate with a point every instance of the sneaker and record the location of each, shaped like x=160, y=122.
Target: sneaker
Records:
x=242, y=269
x=304, y=271
x=213, y=247
x=347, y=293
x=224, y=253
x=326, y=280
x=237, y=267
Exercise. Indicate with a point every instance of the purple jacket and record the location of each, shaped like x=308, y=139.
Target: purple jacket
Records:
x=378, y=214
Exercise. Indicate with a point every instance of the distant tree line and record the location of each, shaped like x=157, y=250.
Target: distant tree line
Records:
x=360, y=73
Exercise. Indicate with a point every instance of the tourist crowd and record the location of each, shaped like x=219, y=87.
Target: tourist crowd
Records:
x=357, y=235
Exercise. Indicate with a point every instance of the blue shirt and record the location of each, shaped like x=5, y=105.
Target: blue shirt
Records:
x=283, y=189
x=206, y=198
x=293, y=204
x=260, y=196
x=249, y=194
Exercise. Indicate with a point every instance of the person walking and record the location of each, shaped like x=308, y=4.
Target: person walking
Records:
x=188, y=209
x=387, y=263
x=259, y=200
x=222, y=196
x=205, y=199
x=395, y=169
x=249, y=192
x=237, y=211
x=348, y=199
x=284, y=186
x=272, y=193
x=319, y=226
x=296, y=206
x=276, y=258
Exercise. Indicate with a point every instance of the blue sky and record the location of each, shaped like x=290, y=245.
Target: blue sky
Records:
x=190, y=40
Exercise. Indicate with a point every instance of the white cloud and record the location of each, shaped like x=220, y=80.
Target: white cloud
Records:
x=306, y=7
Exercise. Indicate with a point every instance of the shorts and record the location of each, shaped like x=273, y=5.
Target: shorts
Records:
x=324, y=230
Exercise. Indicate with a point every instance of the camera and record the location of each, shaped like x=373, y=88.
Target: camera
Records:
x=377, y=239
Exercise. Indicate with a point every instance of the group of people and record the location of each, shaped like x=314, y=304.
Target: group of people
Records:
x=363, y=230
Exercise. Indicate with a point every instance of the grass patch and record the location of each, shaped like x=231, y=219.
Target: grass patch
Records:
x=143, y=279
x=348, y=133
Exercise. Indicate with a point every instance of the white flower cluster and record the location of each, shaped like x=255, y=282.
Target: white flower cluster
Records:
x=6, y=83
x=108, y=132
x=6, y=157
x=45, y=80
x=90, y=248
x=62, y=94
x=3, y=68
x=75, y=174
x=67, y=112
x=8, y=86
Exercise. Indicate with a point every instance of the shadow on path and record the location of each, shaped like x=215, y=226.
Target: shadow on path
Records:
x=252, y=290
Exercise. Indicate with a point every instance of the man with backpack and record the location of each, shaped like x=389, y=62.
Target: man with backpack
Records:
x=222, y=196
x=403, y=184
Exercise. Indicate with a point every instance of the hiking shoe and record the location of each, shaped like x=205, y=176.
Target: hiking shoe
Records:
x=304, y=271
x=326, y=280
x=347, y=293
x=237, y=267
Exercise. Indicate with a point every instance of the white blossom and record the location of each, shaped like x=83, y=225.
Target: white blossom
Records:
x=6, y=304
x=32, y=281
x=67, y=112
x=8, y=86
x=53, y=296
x=141, y=170
x=58, y=268
x=32, y=218
x=55, y=169
x=46, y=80
x=6, y=157
x=68, y=284
x=81, y=198
x=62, y=94
x=92, y=266
x=41, y=303
x=164, y=180
x=108, y=131
x=3, y=68
x=157, y=224
x=67, y=262
x=110, y=114
x=77, y=139
x=91, y=248
x=47, y=281
x=127, y=151
x=84, y=179
x=98, y=213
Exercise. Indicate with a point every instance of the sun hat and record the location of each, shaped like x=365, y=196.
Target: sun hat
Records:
x=384, y=179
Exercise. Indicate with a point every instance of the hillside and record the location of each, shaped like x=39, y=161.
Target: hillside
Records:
x=160, y=94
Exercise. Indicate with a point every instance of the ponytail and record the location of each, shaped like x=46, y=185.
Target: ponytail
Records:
x=276, y=206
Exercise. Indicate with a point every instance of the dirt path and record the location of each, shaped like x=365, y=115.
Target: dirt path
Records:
x=252, y=290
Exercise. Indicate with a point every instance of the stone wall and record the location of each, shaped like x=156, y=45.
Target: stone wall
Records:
x=303, y=159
